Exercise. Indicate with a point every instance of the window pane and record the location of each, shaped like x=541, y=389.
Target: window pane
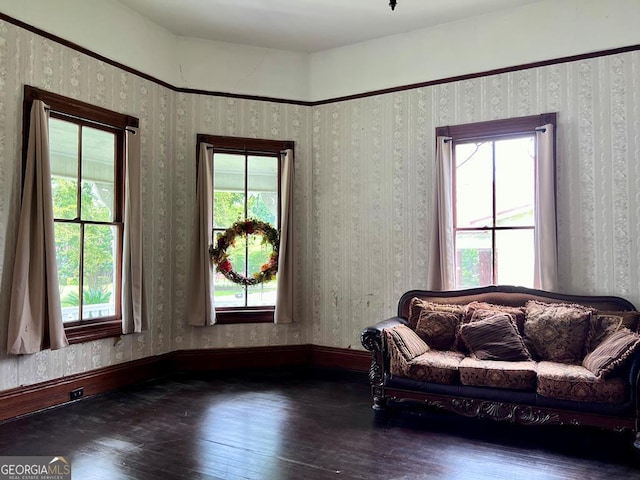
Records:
x=63, y=142
x=474, y=185
x=263, y=294
x=259, y=255
x=262, y=186
x=228, y=189
x=515, y=176
x=474, y=263
x=67, y=239
x=98, y=175
x=227, y=293
x=98, y=294
x=514, y=257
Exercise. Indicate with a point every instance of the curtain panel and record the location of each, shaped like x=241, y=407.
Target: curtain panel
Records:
x=134, y=305
x=200, y=307
x=441, y=266
x=35, y=315
x=545, y=236
x=284, y=299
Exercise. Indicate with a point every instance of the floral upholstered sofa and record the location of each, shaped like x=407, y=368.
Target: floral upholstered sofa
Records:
x=511, y=354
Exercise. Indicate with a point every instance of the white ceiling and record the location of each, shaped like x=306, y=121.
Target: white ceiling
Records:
x=306, y=25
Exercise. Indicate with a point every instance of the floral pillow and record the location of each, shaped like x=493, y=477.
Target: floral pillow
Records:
x=438, y=329
x=557, y=332
x=495, y=338
x=603, y=325
x=417, y=305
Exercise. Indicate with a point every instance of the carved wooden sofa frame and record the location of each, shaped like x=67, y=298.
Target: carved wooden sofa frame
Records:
x=387, y=391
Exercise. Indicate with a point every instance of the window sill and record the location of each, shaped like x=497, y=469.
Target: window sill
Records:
x=83, y=332
x=233, y=316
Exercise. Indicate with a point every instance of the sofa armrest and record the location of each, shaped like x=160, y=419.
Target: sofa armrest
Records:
x=371, y=337
x=634, y=382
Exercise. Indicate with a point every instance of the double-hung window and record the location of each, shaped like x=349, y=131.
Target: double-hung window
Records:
x=246, y=185
x=495, y=200
x=87, y=148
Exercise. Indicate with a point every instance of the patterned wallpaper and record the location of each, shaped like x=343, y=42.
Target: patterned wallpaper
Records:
x=168, y=125
x=241, y=118
x=372, y=181
x=362, y=195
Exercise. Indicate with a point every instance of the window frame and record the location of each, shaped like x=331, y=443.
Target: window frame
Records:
x=85, y=114
x=247, y=147
x=491, y=131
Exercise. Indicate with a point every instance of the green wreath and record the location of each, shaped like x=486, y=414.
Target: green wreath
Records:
x=226, y=239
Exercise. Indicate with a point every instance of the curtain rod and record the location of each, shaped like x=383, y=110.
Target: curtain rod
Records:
x=69, y=115
x=537, y=129
x=244, y=150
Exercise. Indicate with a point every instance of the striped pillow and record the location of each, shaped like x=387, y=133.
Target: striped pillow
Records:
x=406, y=342
x=611, y=353
x=495, y=338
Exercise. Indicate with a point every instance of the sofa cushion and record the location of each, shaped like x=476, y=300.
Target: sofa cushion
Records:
x=436, y=366
x=557, y=332
x=417, y=305
x=494, y=338
x=574, y=382
x=480, y=310
x=438, y=329
x=611, y=353
x=488, y=373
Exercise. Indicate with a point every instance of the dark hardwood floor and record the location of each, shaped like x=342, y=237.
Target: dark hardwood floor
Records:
x=297, y=425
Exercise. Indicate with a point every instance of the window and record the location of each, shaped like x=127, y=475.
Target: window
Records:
x=493, y=192
x=246, y=184
x=87, y=146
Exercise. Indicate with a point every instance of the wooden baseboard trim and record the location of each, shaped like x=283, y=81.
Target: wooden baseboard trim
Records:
x=340, y=358
x=187, y=361
x=32, y=398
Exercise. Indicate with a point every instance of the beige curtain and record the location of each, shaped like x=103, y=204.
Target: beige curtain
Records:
x=200, y=308
x=546, y=253
x=441, y=266
x=284, y=299
x=134, y=308
x=35, y=315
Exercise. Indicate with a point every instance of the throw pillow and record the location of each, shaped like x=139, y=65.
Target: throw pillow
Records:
x=495, y=338
x=438, y=329
x=479, y=310
x=630, y=318
x=417, y=305
x=557, y=332
x=611, y=353
x=603, y=325
x=406, y=342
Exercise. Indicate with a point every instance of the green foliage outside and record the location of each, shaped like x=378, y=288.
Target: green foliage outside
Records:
x=470, y=260
x=98, y=241
x=89, y=297
x=228, y=207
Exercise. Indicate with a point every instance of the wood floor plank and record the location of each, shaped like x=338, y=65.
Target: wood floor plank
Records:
x=295, y=425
